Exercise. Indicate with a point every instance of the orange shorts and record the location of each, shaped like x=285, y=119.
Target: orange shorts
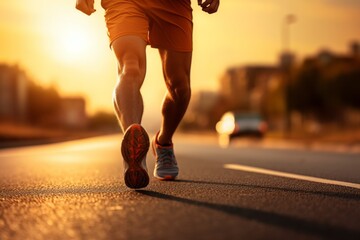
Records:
x=163, y=24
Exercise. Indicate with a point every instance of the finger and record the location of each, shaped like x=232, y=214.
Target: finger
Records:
x=90, y=4
x=83, y=7
x=206, y=3
x=85, y=10
x=212, y=7
x=216, y=7
x=209, y=7
x=92, y=11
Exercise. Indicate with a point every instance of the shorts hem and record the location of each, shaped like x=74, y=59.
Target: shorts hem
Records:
x=171, y=48
x=111, y=40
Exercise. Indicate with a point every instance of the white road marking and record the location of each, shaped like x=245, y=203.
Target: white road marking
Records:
x=290, y=175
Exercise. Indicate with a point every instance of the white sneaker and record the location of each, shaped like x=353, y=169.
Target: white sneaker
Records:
x=166, y=167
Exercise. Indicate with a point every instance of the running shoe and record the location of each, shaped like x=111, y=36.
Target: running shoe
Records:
x=166, y=167
x=134, y=148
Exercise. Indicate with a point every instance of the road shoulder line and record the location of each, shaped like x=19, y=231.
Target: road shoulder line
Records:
x=290, y=175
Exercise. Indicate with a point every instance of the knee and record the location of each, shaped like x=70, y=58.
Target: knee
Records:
x=130, y=71
x=130, y=79
x=180, y=89
x=182, y=94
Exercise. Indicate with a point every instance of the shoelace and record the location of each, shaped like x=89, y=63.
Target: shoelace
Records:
x=166, y=157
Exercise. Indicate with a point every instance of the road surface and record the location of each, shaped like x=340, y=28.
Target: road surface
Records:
x=75, y=190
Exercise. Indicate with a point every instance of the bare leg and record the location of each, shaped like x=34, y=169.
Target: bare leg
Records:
x=176, y=69
x=128, y=102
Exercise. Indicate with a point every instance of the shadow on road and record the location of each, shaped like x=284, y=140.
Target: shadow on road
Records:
x=115, y=189
x=348, y=196
x=271, y=218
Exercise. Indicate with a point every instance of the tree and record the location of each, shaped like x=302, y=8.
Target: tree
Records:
x=324, y=90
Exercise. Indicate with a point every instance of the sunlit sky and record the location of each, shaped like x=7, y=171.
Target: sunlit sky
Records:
x=57, y=45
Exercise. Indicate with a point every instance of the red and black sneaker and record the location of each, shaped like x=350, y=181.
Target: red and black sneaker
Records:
x=134, y=148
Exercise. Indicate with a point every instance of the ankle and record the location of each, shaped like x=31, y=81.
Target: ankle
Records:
x=160, y=140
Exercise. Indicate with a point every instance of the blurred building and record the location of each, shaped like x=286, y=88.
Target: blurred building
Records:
x=265, y=89
x=73, y=112
x=13, y=94
x=336, y=88
x=327, y=57
x=245, y=88
x=23, y=101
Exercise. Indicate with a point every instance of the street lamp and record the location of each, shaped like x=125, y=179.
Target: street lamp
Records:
x=288, y=20
x=287, y=60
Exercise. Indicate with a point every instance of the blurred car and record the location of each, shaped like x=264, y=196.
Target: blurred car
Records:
x=233, y=124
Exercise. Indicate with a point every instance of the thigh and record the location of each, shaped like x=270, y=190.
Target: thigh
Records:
x=130, y=52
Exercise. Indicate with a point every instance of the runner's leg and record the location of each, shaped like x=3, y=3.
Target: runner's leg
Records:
x=176, y=70
x=131, y=59
x=130, y=54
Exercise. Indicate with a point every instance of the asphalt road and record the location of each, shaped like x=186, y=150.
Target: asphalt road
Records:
x=75, y=190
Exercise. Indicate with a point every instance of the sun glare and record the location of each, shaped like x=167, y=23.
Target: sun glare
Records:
x=71, y=43
x=74, y=42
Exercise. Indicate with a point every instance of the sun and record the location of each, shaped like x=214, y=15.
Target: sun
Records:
x=72, y=43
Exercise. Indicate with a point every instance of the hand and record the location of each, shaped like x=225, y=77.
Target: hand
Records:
x=209, y=6
x=85, y=6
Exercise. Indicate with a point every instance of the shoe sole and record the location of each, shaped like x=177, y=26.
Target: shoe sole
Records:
x=134, y=148
x=165, y=178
